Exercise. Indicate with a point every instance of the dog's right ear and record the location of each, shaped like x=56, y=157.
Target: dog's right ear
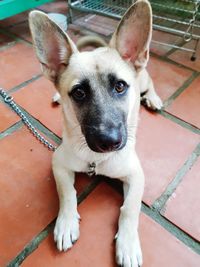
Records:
x=53, y=46
x=133, y=35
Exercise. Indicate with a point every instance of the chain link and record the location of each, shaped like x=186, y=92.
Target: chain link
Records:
x=9, y=100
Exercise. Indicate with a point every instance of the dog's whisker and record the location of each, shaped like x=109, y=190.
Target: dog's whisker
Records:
x=83, y=145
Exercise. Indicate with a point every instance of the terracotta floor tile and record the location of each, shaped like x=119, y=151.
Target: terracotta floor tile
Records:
x=166, y=77
x=5, y=39
x=28, y=198
x=186, y=106
x=160, y=248
x=96, y=246
x=163, y=147
x=14, y=19
x=183, y=57
x=59, y=6
x=18, y=64
x=184, y=205
x=22, y=30
x=99, y=24
x=36, y=98
x=163, y=37
x=99, y=213
x=7, y=117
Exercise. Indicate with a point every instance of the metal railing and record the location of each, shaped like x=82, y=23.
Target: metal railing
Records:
x=181, y=17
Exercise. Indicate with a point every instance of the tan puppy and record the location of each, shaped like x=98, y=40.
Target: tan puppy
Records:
x=100, y=97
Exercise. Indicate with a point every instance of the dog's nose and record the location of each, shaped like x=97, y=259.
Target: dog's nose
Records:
x=108, y=141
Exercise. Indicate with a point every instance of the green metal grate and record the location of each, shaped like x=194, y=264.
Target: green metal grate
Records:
x=165, y=12
x=111, y=8
x=173, y=16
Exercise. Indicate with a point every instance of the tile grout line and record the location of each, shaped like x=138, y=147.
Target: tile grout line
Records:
x=162, y=221
x=179, y=121
x=181, y=43
x=18, y=125
x=8, y=45
x=13, y=25
x=182, y=88
x=23, y=84
x=160, y=202
x=173, y=97
x=36, y=123
x=42, y=128
x=16, y=38
x=168, y=60
x=185, y=238
x=34, y=243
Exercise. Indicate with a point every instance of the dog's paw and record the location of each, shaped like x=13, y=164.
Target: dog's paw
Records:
x=66, y=231
x=56, y=98
x=128, y=251
x=152, y=100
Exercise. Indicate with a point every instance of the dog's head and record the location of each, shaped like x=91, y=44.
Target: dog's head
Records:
x=98, y=88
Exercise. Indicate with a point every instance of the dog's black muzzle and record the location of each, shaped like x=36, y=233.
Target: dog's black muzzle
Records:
x=105, y=138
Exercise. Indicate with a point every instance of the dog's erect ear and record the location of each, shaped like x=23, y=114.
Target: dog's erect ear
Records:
x=53, y=46
x=133, y=35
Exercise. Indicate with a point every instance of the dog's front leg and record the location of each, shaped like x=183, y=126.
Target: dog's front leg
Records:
x=66, y=230
x=128, y=251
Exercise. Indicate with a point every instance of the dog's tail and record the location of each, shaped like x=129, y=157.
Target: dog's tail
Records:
x=90, y=40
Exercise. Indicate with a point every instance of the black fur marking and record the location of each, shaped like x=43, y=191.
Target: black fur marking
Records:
x=85, y=86
x=102, y=113
x=143, y=93
x=113, y=80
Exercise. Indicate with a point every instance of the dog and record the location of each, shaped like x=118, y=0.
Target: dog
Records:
x=100, y=97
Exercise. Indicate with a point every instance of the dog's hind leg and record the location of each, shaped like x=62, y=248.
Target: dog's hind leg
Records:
x=148, y=94
x=66, y=230
x=128, y=250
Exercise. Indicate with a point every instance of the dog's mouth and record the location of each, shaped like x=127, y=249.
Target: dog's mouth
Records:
x=109, y=140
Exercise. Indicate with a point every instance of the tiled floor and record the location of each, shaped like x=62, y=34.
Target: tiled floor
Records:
x=167, y=144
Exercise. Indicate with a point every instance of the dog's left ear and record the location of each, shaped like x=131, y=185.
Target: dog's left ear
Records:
x=52, y=45
x=133, y=35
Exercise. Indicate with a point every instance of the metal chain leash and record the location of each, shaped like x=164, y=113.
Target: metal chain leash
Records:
x=9, y=100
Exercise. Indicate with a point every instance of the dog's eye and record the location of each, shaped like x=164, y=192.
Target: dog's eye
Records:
x=120, y=86
x=78, y=93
